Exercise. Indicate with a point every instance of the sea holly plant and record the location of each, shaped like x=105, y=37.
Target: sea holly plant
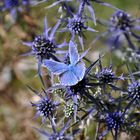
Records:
x=44, y=46
x=78, y=85
x=45, y=107
x=122, y=26
x=84, y=90
x=77, y=25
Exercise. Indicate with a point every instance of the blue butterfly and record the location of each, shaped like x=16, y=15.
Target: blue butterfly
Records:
x=69, y=74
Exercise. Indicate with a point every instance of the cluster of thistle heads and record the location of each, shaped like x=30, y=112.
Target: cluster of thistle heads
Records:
x=83, y=91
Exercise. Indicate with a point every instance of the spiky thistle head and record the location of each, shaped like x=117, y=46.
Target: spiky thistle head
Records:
x=76, y=25
x=134, y=90
x=122, y=21
x=106, y=75
x=45, y=107
x=114, y=120
x=42, y=47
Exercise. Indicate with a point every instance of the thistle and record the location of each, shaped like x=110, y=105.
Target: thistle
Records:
x=76, y=25
x=45, y=107
x=58, y=135
x=114, y=120
x=122, y=25
x=134, y=90
x=44, y=46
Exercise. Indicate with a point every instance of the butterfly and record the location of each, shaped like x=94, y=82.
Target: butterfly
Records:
x=69, y=74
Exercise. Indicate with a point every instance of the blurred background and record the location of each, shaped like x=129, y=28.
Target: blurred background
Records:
x=17, y=71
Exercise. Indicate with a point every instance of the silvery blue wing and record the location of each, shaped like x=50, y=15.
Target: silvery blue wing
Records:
x=69, y=74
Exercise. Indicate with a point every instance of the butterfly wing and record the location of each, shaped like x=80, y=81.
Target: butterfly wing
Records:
x=73, y=53
x=55, y=67
x=73, y=75
x=68, y=78
x=79, y=70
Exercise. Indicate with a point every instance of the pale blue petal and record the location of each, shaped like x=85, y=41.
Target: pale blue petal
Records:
x=62, y=45
x=75, y=100
x=54, y=29
x=92, y=13
x=90, y=29
x=81, y=42
x=55, y=3
x=46, y=28
x=43, y=132
x=29, y=44
x=84, y=53
x=61, y=52
x=107, y=4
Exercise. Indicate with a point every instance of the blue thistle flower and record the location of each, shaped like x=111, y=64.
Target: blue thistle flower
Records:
x=114, y=120
x=45, y=107
x=44, y=46
x=77, y=25
x=58, y=135
x=106, y=75
x=122, y=25
x=134, y=90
